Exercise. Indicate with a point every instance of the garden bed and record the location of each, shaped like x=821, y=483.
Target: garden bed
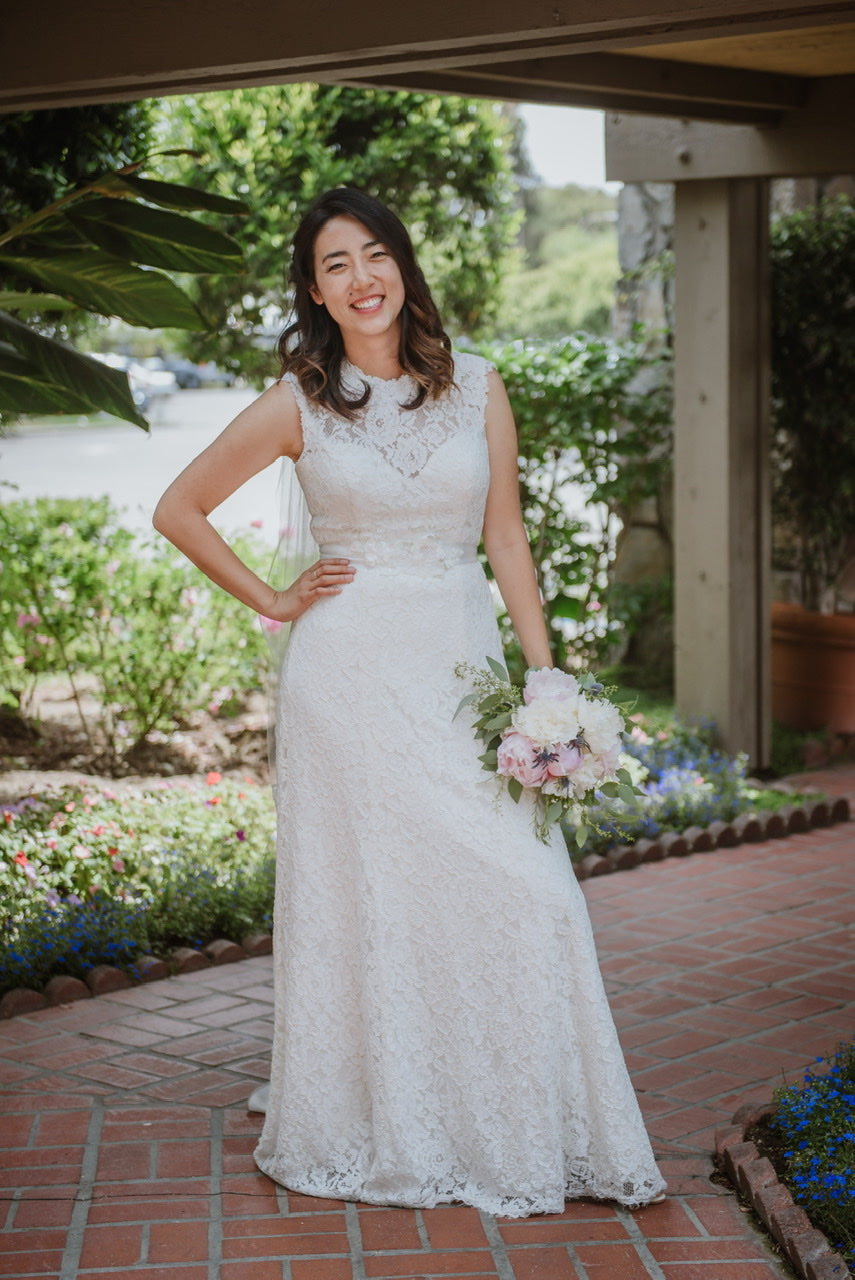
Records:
x=793, y=1162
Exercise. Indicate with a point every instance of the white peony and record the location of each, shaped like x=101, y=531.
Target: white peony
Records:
x=548, y=720
x=549, y=682
x=602, y=724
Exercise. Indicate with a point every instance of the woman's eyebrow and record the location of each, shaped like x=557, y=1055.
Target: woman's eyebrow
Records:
x=342, y=253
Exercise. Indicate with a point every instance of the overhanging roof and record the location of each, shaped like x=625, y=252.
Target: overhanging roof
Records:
x=743, y=62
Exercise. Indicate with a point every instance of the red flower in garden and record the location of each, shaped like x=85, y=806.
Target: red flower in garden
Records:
x=213, y=778
x=21, y=858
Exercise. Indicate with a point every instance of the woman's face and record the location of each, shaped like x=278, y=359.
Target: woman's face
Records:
x=357, y=280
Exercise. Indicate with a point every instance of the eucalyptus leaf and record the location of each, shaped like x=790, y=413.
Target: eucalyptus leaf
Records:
x=581, y=835
x=627, y=794
x=464, y=702
x=515, y=789
x=498, y=670
x=499, y=722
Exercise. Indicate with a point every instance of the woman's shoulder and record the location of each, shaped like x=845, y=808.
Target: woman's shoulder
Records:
x=468, y=364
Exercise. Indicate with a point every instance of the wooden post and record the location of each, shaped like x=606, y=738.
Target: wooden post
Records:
x=722, y=538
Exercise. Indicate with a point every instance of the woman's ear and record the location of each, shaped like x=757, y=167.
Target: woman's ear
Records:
x=315, y=294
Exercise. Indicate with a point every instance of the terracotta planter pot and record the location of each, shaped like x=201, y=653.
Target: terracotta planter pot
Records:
x=813, y=669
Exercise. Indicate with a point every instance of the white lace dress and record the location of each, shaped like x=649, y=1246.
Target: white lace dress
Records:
x=442, y=1031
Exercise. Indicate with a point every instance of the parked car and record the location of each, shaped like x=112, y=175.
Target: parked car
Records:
x=185, y=371
x=146, y=384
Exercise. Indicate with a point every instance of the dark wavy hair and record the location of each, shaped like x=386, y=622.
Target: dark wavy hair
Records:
x=312, y=346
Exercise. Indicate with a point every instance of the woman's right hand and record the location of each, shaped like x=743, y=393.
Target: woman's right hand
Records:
x=326, y=577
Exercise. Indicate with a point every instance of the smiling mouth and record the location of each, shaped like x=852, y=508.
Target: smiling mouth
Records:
x=368, y=304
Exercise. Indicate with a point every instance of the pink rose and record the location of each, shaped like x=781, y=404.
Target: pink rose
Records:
x=518, y=758
x=567, y=760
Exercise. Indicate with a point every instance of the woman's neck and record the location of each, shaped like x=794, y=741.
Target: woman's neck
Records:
x=379, y=359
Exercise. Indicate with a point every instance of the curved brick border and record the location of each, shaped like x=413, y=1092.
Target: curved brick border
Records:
x=747, y=828
x=63, y=989
x=753, y=1175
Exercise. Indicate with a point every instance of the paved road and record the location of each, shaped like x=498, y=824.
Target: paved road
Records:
x=134, y=468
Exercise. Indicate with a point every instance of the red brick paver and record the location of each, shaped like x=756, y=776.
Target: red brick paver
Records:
x=126, y=1150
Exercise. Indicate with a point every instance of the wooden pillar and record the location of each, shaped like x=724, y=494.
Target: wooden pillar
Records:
x=721, y=517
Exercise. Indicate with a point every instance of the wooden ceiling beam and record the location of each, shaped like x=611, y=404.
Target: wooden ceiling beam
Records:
x=56, y=52
x=545, y=91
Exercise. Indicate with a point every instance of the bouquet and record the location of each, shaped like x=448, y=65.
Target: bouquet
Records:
x=557, y=737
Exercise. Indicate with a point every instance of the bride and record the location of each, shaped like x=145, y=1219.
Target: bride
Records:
x=441, y=1029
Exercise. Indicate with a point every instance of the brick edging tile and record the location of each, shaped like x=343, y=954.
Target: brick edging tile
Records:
x=754, y=1177
x=103, y=978
x=747, y=828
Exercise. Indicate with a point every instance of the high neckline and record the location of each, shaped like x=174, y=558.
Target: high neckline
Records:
x=350, y=367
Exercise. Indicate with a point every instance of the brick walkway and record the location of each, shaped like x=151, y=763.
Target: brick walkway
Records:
x=125, y=1146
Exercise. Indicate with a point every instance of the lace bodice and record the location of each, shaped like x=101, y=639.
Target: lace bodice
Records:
x=397, y=486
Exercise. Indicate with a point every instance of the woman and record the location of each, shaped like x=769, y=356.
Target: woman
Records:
x=441, y=1028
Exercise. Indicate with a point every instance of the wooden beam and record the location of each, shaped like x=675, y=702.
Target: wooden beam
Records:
x=540, y=91
x=817, y=139
x=56, y=52
x=721, y=463
x=605, y=80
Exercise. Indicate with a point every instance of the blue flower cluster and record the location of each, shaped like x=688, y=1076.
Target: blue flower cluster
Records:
x=72, y=937
x=689, y=782
x=816, y=1121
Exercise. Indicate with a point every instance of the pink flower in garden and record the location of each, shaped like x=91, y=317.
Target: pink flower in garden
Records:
x=40, y=639
x=80, y=851
x=240, y=834
x=19, y=659
x=271, y=625
x=113, y=566
x=213, y=778
x=567, y=760
x=8, y=816
x=70, y=807
x=51, y=844
x=287, y=531
x=27, y=619
x=52, y=898
x=21, y=858
x=256, y=524
x=518, y=758
x=99, y=830
x=594, y=606
x=108, y=794
x=118, y=865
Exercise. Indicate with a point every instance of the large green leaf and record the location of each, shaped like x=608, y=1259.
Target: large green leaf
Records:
x=34, y=302
x=155, y=237
x=85, y=380
x=23, y=388
x=100, y=282
x=170, y=195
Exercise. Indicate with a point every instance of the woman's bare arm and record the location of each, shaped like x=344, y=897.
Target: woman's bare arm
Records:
x=505, y=540
x=267, y=429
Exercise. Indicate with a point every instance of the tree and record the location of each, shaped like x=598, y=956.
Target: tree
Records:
x=442, y=163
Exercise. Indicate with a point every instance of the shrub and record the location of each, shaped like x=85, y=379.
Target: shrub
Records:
x=79, y=593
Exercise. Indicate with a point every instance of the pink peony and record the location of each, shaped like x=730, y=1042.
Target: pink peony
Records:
x=549, y=682
x=567, y=760
x=518, y=758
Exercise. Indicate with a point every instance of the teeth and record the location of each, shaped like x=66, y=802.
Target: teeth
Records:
x=366, y=304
